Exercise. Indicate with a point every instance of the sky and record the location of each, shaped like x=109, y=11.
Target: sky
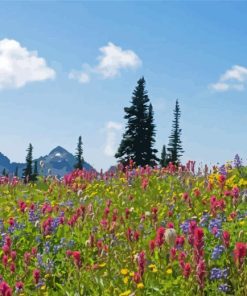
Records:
x=69, y=68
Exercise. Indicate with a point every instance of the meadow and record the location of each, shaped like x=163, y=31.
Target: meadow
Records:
x=142, y=231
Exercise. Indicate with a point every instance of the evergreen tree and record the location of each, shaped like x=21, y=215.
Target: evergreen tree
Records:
x=16, y=171
x=150, y=140
x=35, y=171
x=28, y=171
x=4, y=173
x=175, y=145
x=78, y=155
x=138, y=139
x=164, y=160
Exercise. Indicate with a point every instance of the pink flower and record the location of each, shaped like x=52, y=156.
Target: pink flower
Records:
x=5, y=289
x=159, y=240
x=201, y=272
x=226, y=238
x=239, y=253
x=152, y=246
x=36, y=275
x=19, y=286
x=186, y=270
x=77, y=258
x=141, y=262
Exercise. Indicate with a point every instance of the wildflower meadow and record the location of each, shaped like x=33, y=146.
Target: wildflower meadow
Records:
x=137, y=231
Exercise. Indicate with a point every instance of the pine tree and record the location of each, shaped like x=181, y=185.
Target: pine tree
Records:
x=78, y=155
x=16, y=171
x=28, y=171
x=150, y=140
x=138, y=139
x=164, y=160
x=4, y=173
x=35, y=171
x=175, y=145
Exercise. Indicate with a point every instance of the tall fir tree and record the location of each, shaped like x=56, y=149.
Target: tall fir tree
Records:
x=79, y=155
x=16, y=171
x=28, y=170
x=151, y=157
x=35, y=171
x=138, y=138
x=164, y=160
x=175, y=144
x=4, y=173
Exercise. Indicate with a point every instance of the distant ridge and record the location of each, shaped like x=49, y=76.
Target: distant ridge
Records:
x=58, y=162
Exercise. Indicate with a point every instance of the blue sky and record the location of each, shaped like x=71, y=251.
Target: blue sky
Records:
x=69, y=68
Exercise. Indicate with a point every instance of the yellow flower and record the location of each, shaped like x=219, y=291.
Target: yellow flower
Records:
x=155, y=270
x=47, y=275
x=132, y=273
x=169, y=271
x=126, y=293
x=43, y=288
x=241, y=223
x=124, y=271
x=48, y=236
x=102, y=264
x=140, y=286
x=152, y=266
x=126, y=280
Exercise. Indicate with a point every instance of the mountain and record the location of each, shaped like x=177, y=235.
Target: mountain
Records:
x=58, y=162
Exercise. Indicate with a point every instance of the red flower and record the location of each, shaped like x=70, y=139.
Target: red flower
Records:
x=77, y=258
x=5, y=289
x=173, y=252
x=5, y=260
x=159, y=240
x=201, y=272
x=186, y=270
x=152, y=246
x=239, y=253
x=226, y=238
x=141, y=262
x=137, y=277
x=36, y=275
x=19, y=286
x=13, y=255
x=12, y=267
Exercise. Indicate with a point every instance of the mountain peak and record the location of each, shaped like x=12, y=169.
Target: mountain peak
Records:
x=59, y=150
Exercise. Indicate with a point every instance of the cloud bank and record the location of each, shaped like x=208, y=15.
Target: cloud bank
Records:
x=18, y=66
x=112, y=60
x=233, y=79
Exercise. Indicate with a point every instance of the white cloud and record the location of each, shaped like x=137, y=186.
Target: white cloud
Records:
x=80, y=76
x=113, y=130
x=18, y=66
x=233, y=79
x=111, y=62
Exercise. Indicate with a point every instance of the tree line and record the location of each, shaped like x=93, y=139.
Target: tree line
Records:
x=138, y=140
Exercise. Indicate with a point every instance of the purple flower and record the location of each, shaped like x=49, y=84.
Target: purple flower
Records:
x=185, y=226
x=222, y=170
x=217, y=252
x=237, y=161
x=215, y=224
x=217, y=273
x=224, y=288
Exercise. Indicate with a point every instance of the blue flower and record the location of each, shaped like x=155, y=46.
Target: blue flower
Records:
x=185, y=226
x=216, y=223
x=217, y=273
x=224, y=288
x=217, y=252
x=237, y=161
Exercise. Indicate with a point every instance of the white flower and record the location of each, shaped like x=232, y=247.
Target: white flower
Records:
x=170, y=236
